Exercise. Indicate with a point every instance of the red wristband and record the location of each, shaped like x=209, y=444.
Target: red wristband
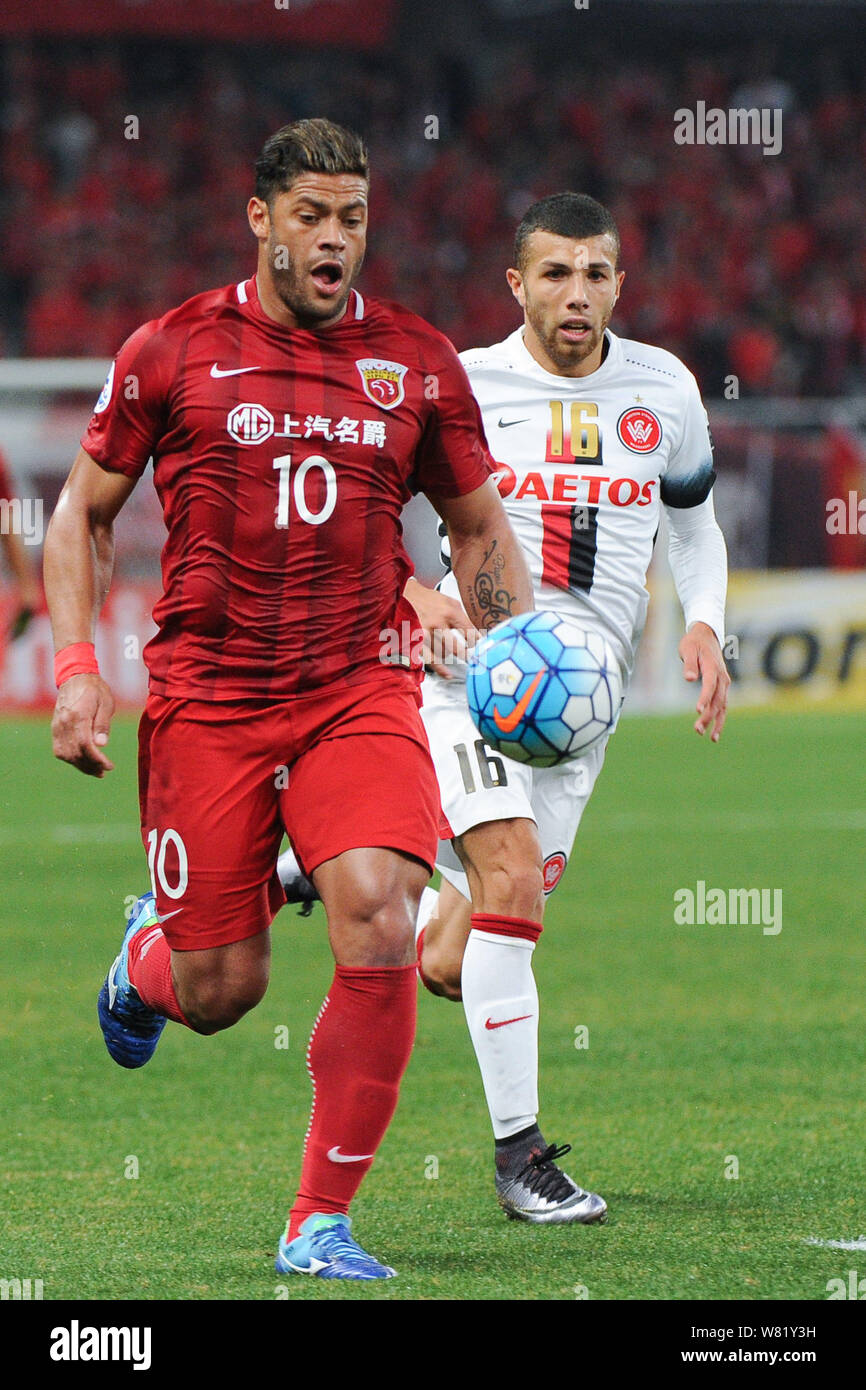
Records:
x=79, y=659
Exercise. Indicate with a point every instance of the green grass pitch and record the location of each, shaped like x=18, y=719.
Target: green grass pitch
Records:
x=711, y=1050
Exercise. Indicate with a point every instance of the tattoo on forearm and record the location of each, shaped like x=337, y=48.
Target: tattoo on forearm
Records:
x=494, y=601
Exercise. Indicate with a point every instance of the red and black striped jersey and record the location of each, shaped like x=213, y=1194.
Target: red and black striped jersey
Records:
x=282, y=459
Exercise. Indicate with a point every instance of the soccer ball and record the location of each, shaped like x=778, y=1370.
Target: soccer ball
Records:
x=543, y=690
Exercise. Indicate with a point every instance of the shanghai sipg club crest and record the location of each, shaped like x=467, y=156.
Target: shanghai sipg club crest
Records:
x=382, y=381
x=639, y=429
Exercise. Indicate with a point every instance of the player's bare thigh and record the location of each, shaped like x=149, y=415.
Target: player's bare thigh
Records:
x=217, y=986
x=371, y=900
x=503, y=864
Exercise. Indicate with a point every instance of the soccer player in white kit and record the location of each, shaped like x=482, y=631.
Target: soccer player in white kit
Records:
x=593, y=435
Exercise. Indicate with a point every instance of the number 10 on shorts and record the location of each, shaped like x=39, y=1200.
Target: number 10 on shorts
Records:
x=157, y=850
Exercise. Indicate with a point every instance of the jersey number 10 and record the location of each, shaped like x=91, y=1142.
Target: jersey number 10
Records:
x=295, y=489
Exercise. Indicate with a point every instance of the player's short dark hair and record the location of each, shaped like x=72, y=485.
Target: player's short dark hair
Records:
x=315, y=146
x=564, y=214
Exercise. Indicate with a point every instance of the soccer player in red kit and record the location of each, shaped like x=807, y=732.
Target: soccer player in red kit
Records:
x=289, y=419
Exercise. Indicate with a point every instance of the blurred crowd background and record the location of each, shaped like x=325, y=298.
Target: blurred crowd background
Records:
x=739, y=262
x=128, y=133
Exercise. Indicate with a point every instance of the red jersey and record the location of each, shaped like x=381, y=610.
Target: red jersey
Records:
x=282, y=458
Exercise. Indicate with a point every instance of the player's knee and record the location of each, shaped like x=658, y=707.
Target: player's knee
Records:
x=383, y=918
x=213, y=1005
x=440, y=973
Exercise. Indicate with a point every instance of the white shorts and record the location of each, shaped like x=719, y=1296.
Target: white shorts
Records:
x=477, y=785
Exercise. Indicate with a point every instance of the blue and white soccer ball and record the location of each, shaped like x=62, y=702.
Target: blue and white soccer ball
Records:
x=543, y=690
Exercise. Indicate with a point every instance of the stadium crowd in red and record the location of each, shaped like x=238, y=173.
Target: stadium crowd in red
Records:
x=739, y=262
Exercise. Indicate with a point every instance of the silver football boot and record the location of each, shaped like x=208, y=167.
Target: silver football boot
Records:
x=296, y=886
x=532, y=1188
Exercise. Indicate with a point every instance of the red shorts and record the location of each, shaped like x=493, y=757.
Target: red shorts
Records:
x=341, y=768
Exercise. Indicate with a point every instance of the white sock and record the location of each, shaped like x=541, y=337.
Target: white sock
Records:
x=288, y=867
x=500, y=999
x=426, y=907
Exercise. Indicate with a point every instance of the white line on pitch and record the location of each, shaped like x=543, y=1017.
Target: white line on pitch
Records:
x=739, y=821
x=858, y=1244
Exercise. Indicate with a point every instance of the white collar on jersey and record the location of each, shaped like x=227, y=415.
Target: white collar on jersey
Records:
x=523, y=359
x=357, y=301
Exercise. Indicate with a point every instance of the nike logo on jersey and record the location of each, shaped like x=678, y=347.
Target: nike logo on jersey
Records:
x=336, y=1157
x=506, y=424
x=163, y=917
x=509, y=723
x=216, y=371
x=491, y=1025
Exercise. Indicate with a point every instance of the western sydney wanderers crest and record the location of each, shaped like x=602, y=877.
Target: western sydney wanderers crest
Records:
x=554, y=868
x=639, y=430
x=382, y=381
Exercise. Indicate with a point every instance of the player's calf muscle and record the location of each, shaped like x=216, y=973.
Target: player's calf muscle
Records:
x=444, y=942
x=210, y=1009
x=442, y=964
x=510, y=890
x=215, y=988
x=502, y=860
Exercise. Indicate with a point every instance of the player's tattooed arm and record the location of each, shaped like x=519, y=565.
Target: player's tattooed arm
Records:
x=486, y=556
x=495, y=603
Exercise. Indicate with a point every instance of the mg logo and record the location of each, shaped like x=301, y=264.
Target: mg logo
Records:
x=250, y=424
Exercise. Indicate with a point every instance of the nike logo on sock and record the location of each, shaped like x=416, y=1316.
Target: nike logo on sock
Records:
x=336, y=1157
x=216, y=371
x=149, y=940
x=491, y=1025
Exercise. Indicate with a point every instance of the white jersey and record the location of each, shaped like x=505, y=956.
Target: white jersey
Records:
x=584, y=466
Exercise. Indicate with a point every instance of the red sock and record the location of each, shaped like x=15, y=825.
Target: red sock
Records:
x=356, y=1058
x=150, y=972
